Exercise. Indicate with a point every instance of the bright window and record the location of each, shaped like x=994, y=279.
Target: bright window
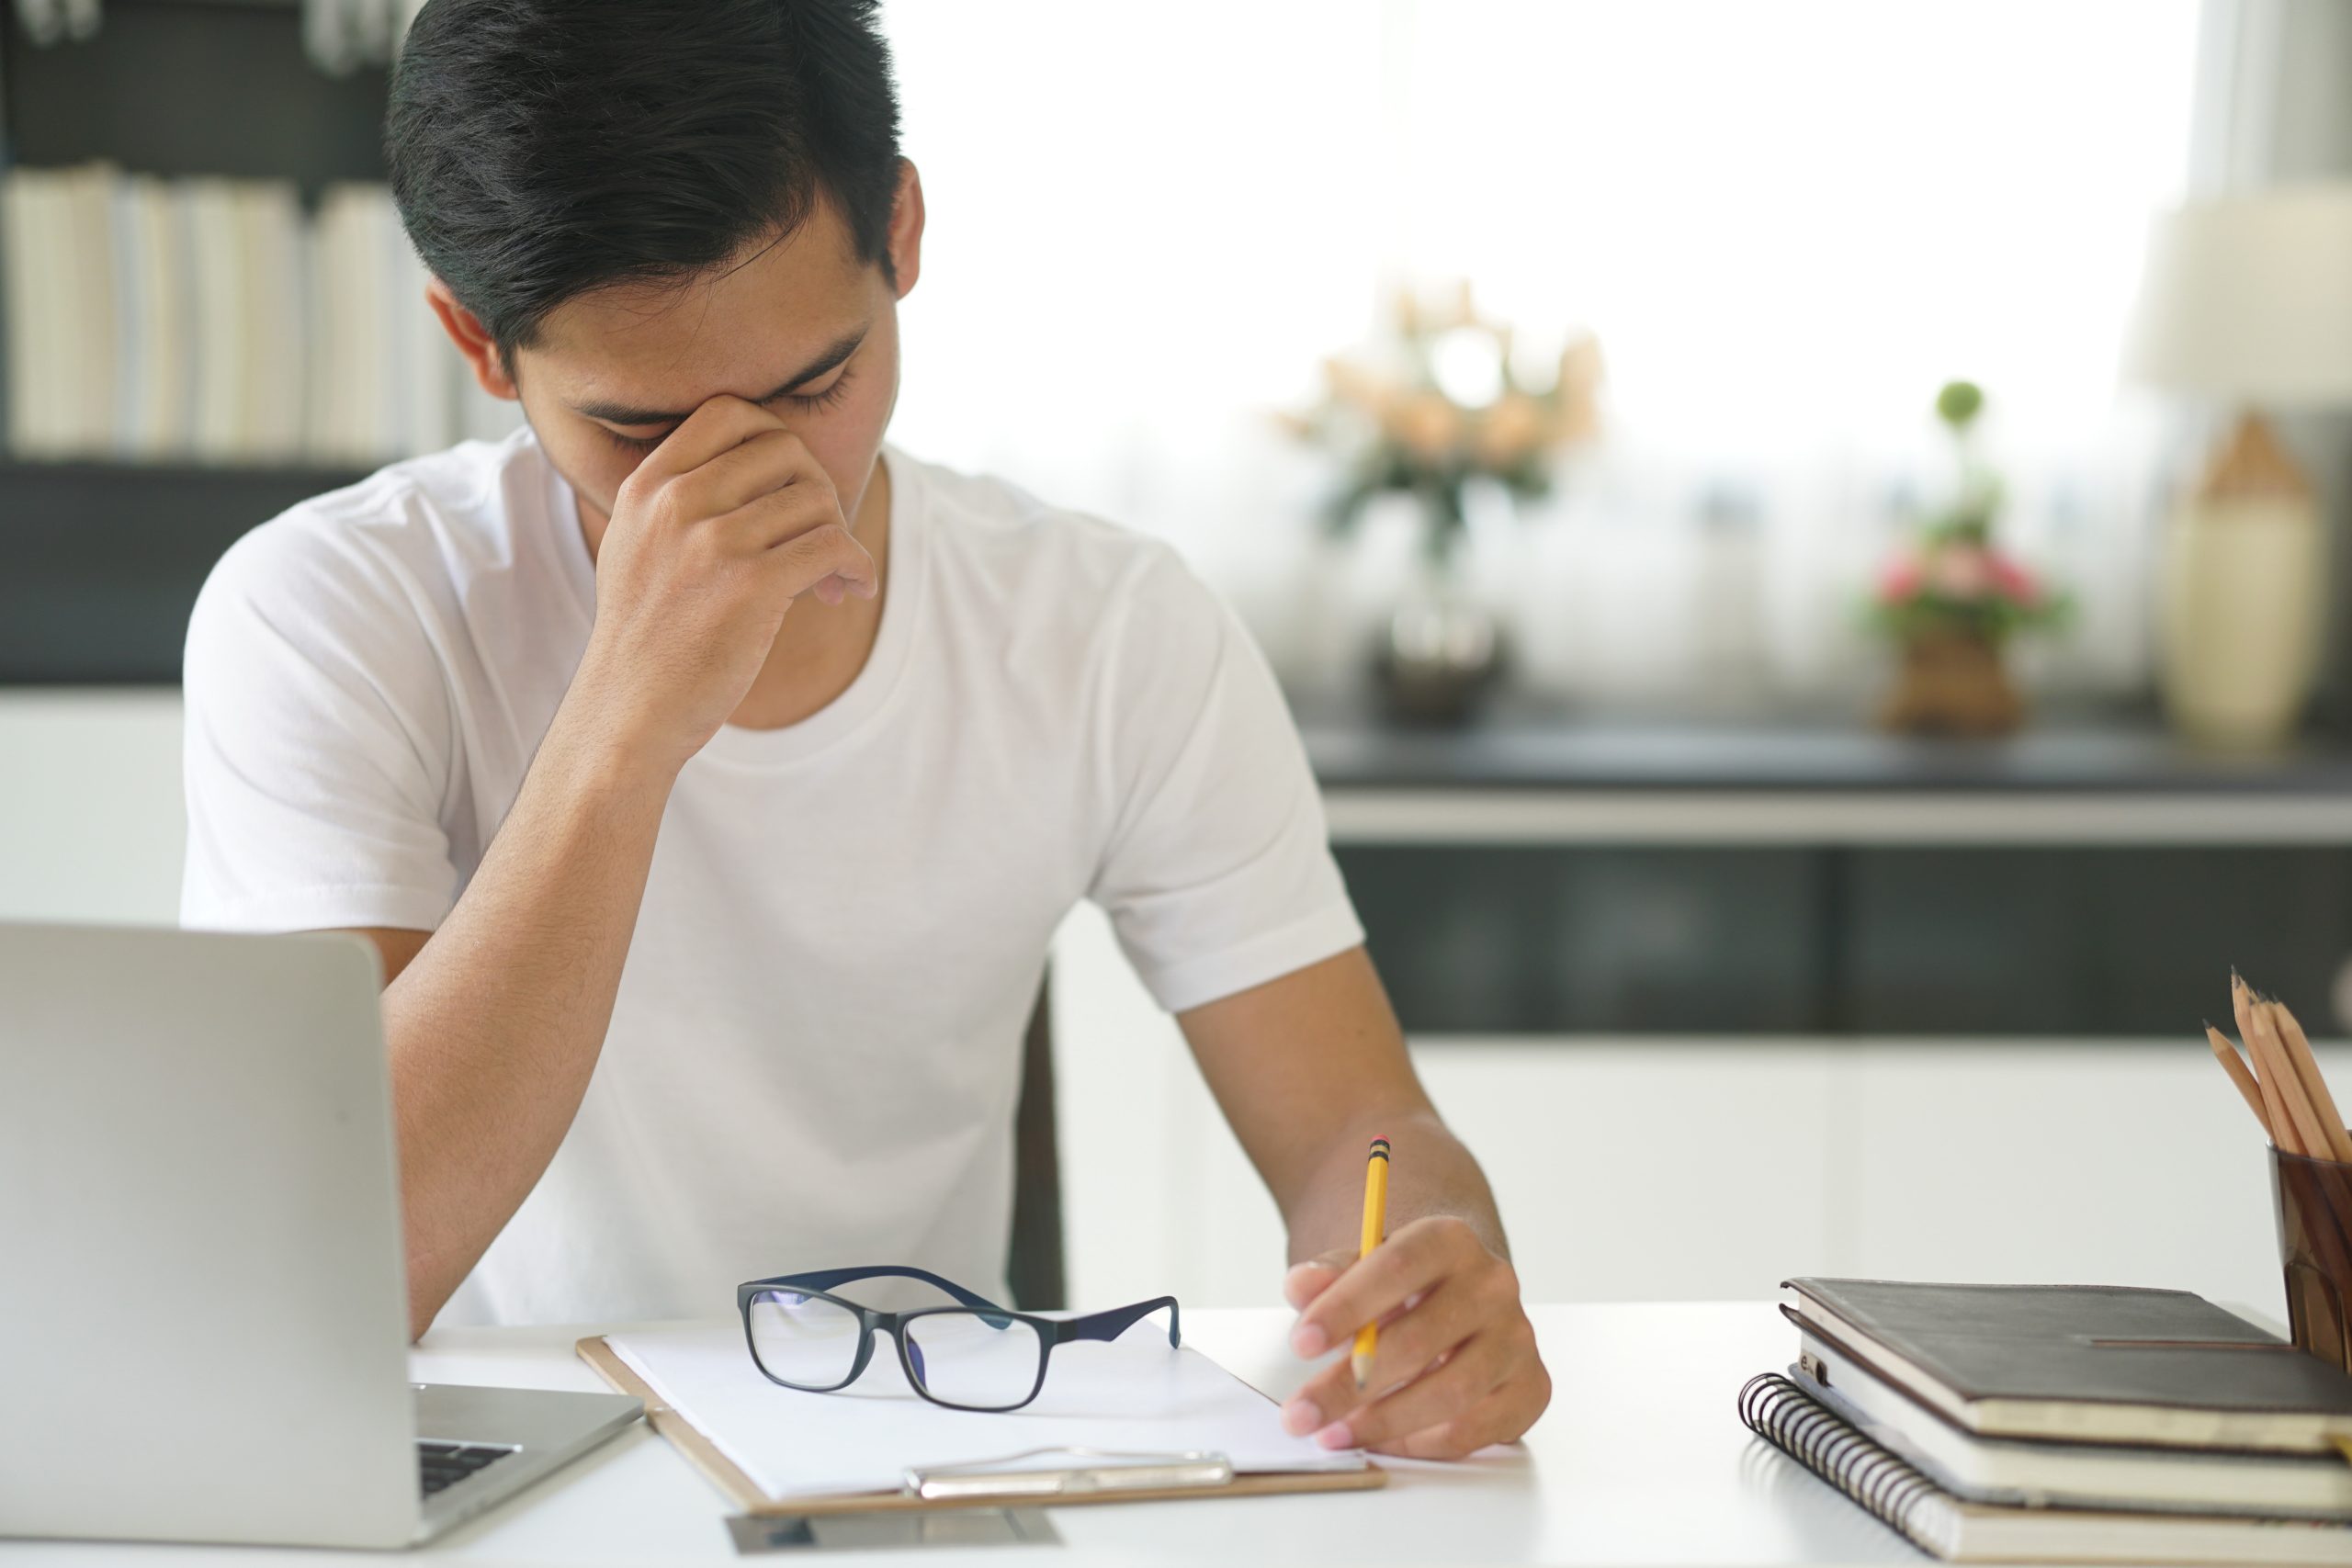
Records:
x=1788, y=224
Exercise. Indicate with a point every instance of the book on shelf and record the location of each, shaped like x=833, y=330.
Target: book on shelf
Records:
x=216, y=319
x=219, y=339
x=155, y=392
x=87, y=306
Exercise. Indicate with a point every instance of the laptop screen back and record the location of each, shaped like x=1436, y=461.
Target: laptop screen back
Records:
x=202, y=1292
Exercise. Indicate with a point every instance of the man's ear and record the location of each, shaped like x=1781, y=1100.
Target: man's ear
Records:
x=473, y=341
x=906, y=228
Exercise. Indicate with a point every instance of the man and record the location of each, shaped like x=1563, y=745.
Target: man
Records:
x=712, y=778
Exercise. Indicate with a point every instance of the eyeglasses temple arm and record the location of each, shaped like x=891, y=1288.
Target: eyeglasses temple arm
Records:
x=1118, y=1320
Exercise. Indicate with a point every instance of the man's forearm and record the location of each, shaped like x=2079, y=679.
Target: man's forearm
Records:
x=1310, y=1068
x=495, y=1026
x=1430, y=1174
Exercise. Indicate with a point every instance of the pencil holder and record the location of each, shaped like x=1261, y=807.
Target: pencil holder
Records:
x=2315, y=1202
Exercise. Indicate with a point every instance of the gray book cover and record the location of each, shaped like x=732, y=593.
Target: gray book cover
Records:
x=2096, y=1343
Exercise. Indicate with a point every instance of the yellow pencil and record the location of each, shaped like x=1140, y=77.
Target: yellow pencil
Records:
x=1376, y=1225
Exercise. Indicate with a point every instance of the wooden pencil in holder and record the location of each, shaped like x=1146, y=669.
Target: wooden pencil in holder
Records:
x=2314, y=1198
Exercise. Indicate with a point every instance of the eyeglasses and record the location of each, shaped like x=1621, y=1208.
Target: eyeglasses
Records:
x=974, y=1355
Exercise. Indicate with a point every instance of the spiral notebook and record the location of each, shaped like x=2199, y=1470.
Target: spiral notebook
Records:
x=1901, y=1497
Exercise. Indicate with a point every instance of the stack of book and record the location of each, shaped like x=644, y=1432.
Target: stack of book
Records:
x=2083, y=1424
x=220, y=320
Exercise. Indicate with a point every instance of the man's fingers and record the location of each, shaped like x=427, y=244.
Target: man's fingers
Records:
x=1502, y=1417
x=1449, y=1315
x=1304, y=1282
x=1409, y=1261
x=1412, y=1339
x=769, y=463
x=807, y=559
x=716, y=424
x=1471, y=1370
x=1309, y=1279
x=1332, y=1392
x=1455, y=1366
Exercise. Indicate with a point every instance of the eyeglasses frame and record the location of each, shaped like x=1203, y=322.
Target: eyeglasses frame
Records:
x=1051, y=1331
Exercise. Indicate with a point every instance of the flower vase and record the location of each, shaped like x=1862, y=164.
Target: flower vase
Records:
x=1953, y=683
x=1441, y=650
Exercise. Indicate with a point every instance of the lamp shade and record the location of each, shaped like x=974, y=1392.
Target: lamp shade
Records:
x=2249, y=299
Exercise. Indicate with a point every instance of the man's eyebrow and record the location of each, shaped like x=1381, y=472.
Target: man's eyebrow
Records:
x=841, y=349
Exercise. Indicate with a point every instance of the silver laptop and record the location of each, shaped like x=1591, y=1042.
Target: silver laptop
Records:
x=203, y=1308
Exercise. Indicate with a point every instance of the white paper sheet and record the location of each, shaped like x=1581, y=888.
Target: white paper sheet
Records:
x=1135, y=1394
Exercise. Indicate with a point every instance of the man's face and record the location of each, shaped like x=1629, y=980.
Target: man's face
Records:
x=799, y=326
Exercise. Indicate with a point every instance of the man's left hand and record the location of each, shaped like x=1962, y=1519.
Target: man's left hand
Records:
x=1456, y=1367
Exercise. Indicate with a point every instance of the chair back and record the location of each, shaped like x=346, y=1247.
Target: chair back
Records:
x=1035, y=1266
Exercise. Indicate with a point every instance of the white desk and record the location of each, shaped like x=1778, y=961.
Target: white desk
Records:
x=1641, y=1460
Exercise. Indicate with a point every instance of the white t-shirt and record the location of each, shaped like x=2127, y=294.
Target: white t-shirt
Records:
x=814, y=1052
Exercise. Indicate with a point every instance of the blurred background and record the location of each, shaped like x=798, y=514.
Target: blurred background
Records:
x=1805, y=539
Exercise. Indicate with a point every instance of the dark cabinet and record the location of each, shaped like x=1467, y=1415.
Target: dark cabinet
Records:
x=2088, y=940
x=1847, y=939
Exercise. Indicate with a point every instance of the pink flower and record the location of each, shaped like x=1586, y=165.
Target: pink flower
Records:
x=1899, y=581
x=2014, y=581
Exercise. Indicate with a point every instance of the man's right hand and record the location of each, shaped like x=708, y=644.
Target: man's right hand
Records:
x=712, y=537
x=495, y=1022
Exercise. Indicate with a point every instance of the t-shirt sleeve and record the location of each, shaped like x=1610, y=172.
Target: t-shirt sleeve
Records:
x=317, y=744
x=1218, y=873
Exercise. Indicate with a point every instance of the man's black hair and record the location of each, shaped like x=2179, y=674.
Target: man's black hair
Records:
x=539, y=148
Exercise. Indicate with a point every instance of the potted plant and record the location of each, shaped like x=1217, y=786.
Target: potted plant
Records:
x=1442, y=408
x=1952, y=601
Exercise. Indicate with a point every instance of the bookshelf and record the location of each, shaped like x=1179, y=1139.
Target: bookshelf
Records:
x=191, y=87
x=100, y=561
x=104, y=559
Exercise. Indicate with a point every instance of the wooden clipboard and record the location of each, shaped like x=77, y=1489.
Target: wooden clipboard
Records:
x=746, y=1495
